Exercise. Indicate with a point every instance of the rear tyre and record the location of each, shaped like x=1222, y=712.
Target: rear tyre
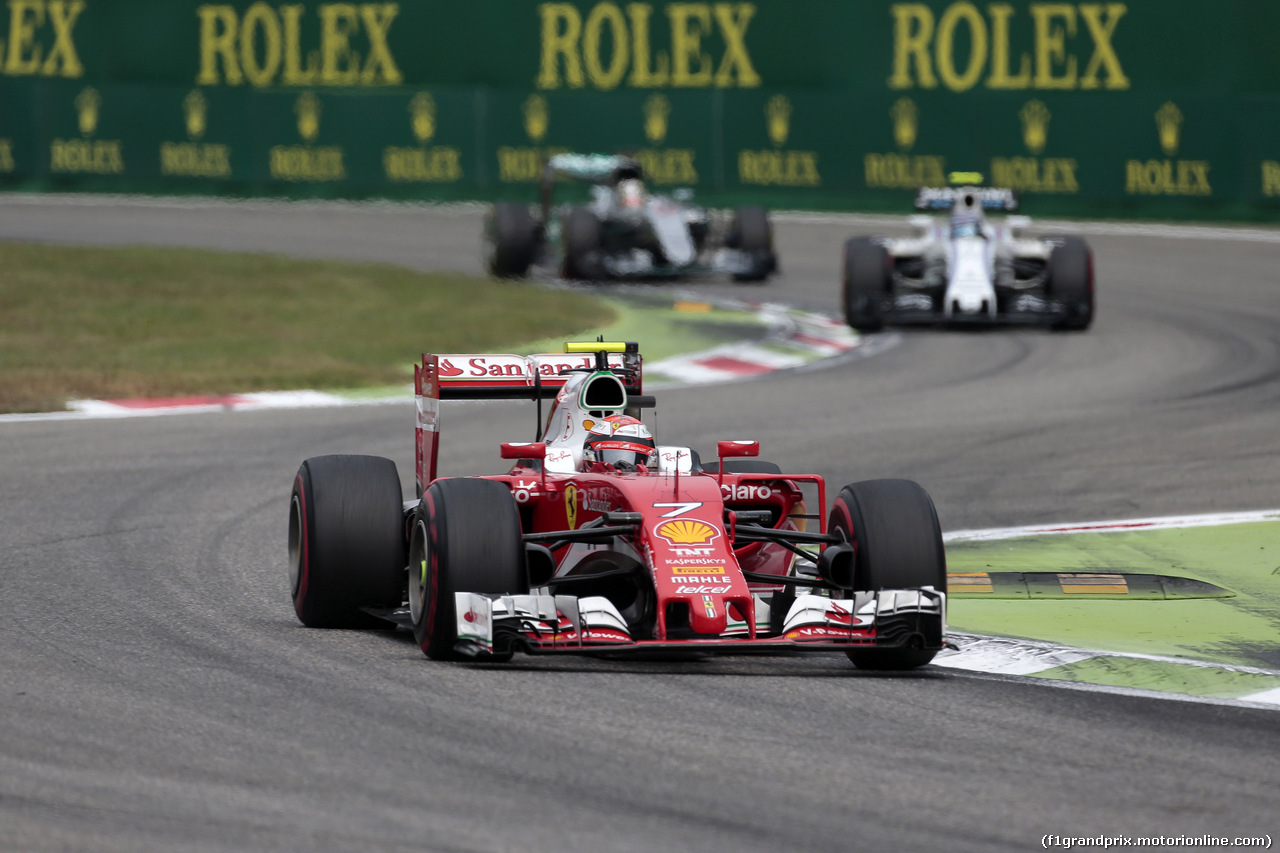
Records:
x=511, y=240
x=867, y=283
x=751, y=233
x=582, y=238
x=346, y=541
x=1071, y=283
x=899, y=546
x=466, y=538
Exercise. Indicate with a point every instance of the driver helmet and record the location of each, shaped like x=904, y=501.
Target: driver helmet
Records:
x=966, y=225
x=631, y=193
x=619, y=441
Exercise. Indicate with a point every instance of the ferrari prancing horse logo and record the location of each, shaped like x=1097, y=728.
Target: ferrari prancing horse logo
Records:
x=571, y=505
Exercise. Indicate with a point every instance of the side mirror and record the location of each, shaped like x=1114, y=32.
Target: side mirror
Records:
x=725, y=449
x=836, y=565
x=524, y=449
x=540, y=564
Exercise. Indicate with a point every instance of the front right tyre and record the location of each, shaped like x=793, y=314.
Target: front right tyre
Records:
x=867, y=283
x=894, y=528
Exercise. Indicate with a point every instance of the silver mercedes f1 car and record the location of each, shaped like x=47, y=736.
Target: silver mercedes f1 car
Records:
x=967, y=269
x=624, y=231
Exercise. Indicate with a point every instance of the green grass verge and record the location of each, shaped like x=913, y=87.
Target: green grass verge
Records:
x=112, y=323
x=1242, y=630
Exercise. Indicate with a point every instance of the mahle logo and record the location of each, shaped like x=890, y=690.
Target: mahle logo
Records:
x=686, y=532
x=1035, y=125
x=422, y=116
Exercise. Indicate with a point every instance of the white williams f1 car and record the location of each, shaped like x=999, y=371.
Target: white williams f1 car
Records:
x=967, y=269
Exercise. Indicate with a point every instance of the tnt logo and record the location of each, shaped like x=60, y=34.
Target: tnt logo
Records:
x=687, y=532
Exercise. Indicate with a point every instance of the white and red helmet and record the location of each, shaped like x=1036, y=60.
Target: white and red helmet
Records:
x=620, y=441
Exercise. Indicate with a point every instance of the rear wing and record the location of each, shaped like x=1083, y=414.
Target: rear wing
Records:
x=944, y=198
x=478, y=376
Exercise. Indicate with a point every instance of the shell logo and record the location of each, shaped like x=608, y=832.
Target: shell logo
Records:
x=687, y=532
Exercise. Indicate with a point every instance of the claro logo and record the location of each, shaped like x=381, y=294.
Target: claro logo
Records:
x=686, y=532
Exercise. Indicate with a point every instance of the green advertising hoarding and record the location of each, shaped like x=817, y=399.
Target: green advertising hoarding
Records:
x=1162, y=107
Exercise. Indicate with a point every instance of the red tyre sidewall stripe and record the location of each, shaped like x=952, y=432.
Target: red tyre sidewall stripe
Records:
x=432, y=543
x=304, y=545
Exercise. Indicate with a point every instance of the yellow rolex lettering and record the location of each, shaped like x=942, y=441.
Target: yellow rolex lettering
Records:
x=779, y=168
x=1051, y=49
x=1050, y=175
x=380, y=69
x=339, y=66
x=295, y=73
x=195, y=160
x=63, y=61
x=260, y=25
x=1270, y=178
x=428, y=165
x=732, y=19
x=912, y=33
x=24, y=53
x=305, y=163
x=643, y=73
x=1101, y=21
x=902, y=171
x=1167, y=177
x=218, y=28
x=952, y=79
x=602, y=76
x=1000, y=77
x=86, y=156
x=669, y=165
x=689, y=23
x=561, y=29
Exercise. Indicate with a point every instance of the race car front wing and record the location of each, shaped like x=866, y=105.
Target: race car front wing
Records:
x=537, y=624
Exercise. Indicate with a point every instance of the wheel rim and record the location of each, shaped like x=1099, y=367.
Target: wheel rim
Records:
x=418, y=580
x=295, y=544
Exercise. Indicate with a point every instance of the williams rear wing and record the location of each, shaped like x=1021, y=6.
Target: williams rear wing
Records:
x=477, y=376
x=944, y=198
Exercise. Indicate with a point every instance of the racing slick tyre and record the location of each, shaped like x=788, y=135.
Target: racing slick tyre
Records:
x=466, y=538
x=751, y=233
x=511, y=240
x=899, y=546
x=581, y=234
x=346, y=541
x=867, y=283
x=1071, y=283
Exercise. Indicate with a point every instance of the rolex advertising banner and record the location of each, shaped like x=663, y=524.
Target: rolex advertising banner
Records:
x=1143, y=107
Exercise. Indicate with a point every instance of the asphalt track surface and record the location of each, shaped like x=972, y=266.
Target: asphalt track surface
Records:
x=157, y=693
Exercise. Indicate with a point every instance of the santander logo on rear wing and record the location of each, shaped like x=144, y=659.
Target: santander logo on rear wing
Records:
x=480, y=376
x=487, y=374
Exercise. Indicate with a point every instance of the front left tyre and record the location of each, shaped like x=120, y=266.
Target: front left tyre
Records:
x=867, y=283
x=346, y=541
x=1071, y=283
x=751, y=233
x=466, y=538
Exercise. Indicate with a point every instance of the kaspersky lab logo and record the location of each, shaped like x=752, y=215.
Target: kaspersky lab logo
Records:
x=687, y=532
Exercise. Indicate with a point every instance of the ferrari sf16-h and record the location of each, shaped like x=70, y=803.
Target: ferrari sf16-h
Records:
x=967, y=270
x=598, y=540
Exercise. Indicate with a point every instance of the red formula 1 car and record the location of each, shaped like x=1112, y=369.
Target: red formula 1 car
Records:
x=599, y=541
